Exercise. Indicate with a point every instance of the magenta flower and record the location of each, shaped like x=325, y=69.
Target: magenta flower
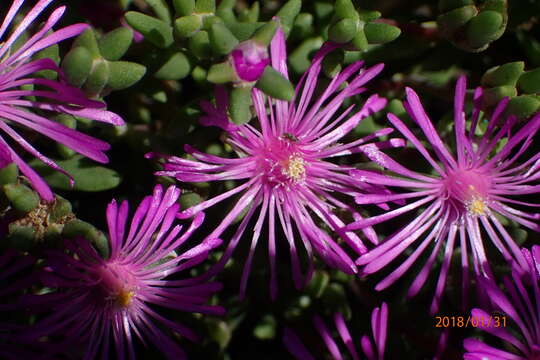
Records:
x=98, y=299
x=17, y=69
x=282, y=161
x=520, y=309
x=379, y=320
x=249, y=60
x=462, y=197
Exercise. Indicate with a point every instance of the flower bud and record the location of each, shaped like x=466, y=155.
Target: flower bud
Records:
x=249, y=60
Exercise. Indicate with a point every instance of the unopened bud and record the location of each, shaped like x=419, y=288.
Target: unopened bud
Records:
x=249, y=60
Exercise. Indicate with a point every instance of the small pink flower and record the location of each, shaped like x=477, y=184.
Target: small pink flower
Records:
x=249, y=60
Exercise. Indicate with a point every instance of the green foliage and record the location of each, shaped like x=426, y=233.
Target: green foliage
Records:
x=472, y=25
x=154, y=30
x=87, y=175
x=95, y=66
x=275, y=85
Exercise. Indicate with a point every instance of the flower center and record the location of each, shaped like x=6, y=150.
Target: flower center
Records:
x=469, y=190
x=294, y=168
x=124, y=297
x=283, y=162
x=117, y=284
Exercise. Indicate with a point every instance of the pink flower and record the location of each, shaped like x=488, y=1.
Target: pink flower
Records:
x=17, y=69
x=283, y=164
x=249, y=60
x=95, y=299
x=462, y=198
x=379, y=320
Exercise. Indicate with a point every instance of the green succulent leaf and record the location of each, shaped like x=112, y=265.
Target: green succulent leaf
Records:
x=77, y=65
x=187, y=26
x=8, y=174
x=240, y=102
x=222, y=39
x=529, y=82
x=507, y=74
x=115, y=43
x=22, y=198
x=154, y=30
x=274, y=84
x=87, y=176
x=124, y=74
x=176, y=67
x=381, y=33
x=184, y=7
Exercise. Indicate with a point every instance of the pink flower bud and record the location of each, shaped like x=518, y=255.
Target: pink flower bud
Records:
x=249, y=60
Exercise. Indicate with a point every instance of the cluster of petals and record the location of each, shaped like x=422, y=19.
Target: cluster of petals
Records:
x=282, y=160
x=520, y=305
x=25, y=97
x=372, y=350
x=95, y=300
x=462, y=197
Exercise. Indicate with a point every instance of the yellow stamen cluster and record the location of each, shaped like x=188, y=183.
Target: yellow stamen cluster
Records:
x=477, y=207
x=294, y=168
x=125, y=297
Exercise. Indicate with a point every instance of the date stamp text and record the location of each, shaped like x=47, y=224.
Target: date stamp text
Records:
x=495, y=321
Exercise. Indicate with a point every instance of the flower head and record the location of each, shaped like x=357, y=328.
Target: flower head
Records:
x=249, y=60
x=379, y=320
x=119, y=297
x=463, y=196
x=283, y=163
x=520, y=306
x=18, y=71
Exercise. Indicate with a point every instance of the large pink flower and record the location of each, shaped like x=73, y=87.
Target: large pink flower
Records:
x=283, y=163
x=463, y=197
x=93, y=300
x=21, y=90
